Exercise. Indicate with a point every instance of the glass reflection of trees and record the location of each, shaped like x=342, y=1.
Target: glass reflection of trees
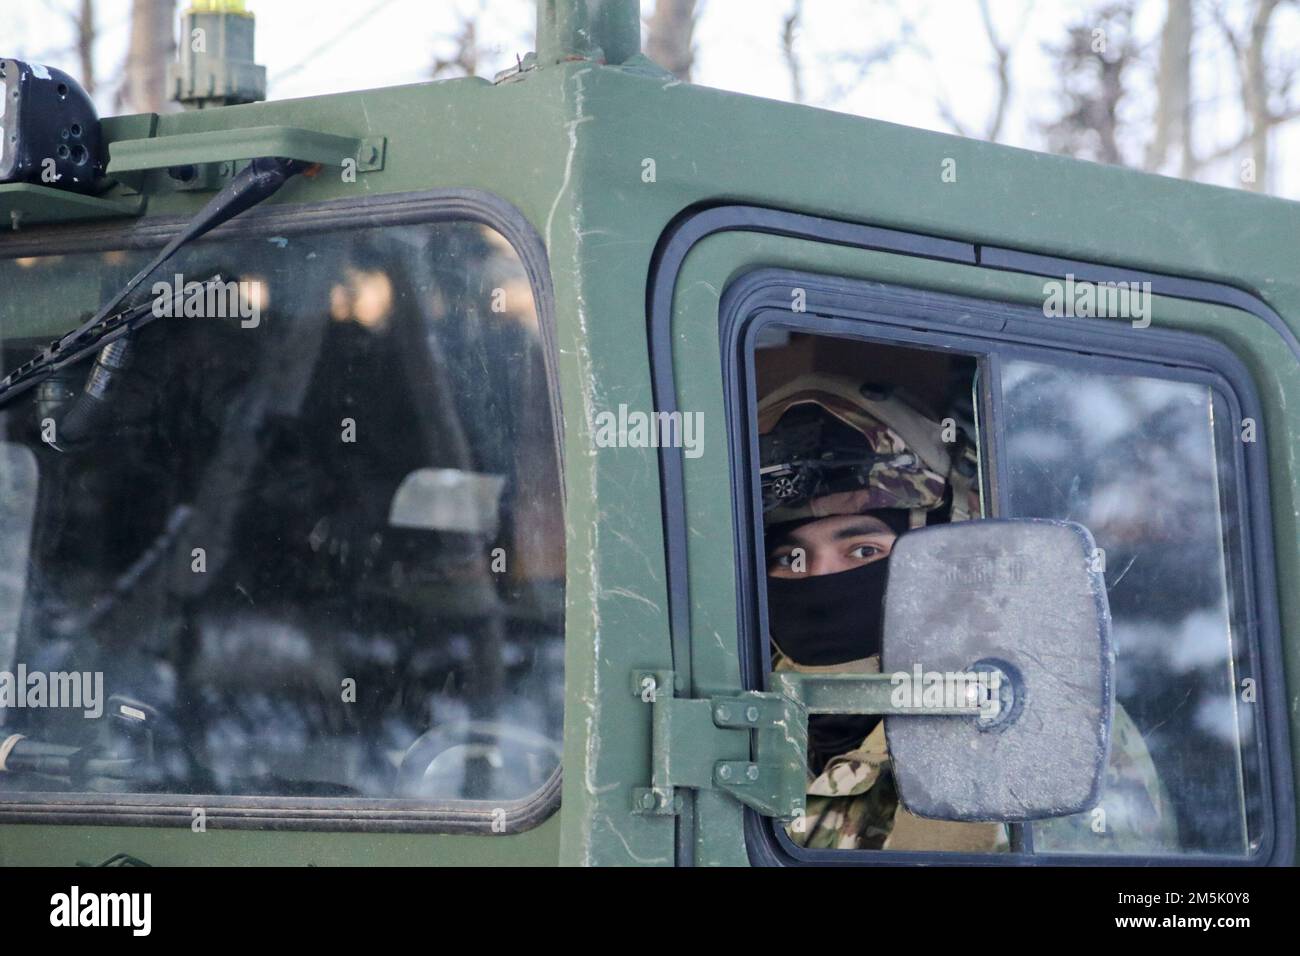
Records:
x=231, y=440
x=1135, y=460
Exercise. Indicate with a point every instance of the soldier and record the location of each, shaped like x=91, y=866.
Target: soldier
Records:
x=846, y=470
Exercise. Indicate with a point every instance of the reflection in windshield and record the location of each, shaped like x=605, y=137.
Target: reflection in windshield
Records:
x=1145, y=464
x=319, y=554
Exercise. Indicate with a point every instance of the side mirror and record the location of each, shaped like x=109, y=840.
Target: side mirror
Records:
x=1008, y=614
x=995, y=686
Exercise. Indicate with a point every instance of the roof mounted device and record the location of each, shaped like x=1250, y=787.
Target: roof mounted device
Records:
x=608, y=31
x=215, y=65
x=51, y=149
x=49, y=132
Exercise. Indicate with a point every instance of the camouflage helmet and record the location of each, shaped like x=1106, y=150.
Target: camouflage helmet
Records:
x=830, y=445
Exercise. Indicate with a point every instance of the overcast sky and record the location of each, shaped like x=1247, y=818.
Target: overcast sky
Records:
x=324, y=46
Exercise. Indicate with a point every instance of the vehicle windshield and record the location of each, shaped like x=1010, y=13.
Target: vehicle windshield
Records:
x=304, y=537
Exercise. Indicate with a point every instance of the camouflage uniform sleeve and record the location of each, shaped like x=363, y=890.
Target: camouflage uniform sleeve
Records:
x=853, y=803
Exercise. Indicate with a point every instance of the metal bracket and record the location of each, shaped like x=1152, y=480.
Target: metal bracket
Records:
x=24, y=204
x=754, y=745
x=751, y=745
x=213, y=154
x=879, y=694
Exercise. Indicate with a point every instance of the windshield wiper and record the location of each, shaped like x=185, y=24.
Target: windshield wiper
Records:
x=260, y=179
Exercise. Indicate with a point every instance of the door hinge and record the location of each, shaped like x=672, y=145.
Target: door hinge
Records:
x=754, y=745
x=751, y=745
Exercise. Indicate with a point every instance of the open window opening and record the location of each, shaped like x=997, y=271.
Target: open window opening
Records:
x=861, y=442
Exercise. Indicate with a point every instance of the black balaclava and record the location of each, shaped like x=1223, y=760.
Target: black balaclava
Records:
x=828, y=618
x=823, y=619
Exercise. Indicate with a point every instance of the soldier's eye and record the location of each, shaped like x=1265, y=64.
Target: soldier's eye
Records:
x=864, y=551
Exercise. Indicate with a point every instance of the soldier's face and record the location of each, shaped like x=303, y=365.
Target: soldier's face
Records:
x=829, y=546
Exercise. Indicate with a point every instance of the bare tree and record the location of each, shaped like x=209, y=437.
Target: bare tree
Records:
x=464, y=60
x=152, y=46
x=1001, y=70
x=83, y=22
x=1093, y=65
x=1259, y=89
x=80, y=15
x=1173, y=110
x=670, y=36
x=863, y=60
x=789, y=32
x=1001, y=49
x=1002, y=74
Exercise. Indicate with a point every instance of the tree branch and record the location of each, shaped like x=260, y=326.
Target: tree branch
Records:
x=789, y=30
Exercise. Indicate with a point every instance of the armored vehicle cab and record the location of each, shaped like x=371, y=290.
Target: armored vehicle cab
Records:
x=411, y=509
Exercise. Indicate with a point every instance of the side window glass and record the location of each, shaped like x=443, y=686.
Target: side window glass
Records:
x=1147, y=465
x=309, y=543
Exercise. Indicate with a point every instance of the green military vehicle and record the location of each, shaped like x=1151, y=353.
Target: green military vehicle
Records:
x=391, y=477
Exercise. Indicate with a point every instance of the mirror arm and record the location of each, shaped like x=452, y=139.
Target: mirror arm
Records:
x=860, y=694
